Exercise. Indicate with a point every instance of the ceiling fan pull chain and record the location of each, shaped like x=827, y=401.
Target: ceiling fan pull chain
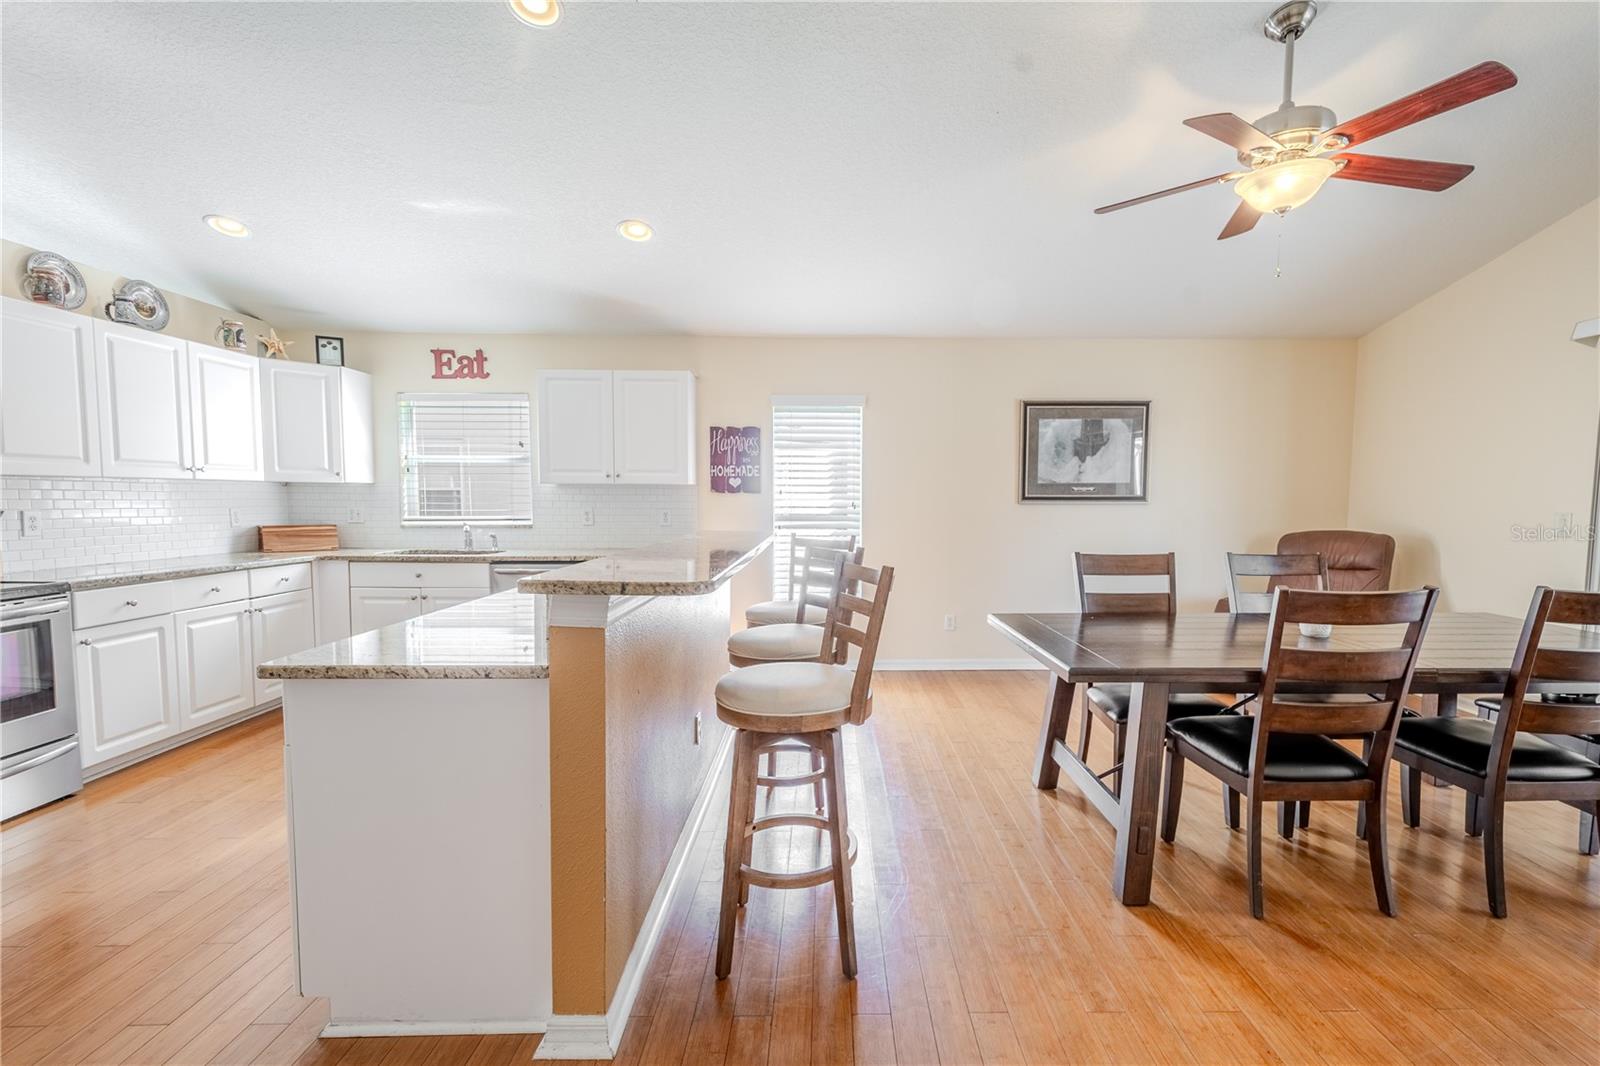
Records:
x=1278, y=269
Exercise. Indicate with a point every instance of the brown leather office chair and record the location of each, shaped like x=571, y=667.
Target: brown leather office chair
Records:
x=1357, y=561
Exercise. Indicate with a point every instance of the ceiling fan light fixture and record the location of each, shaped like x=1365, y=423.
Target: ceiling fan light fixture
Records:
x=1284, y=186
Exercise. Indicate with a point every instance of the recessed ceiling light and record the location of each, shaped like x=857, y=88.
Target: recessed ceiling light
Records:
x=228, y=227
x=635, y=230
x=535, y=12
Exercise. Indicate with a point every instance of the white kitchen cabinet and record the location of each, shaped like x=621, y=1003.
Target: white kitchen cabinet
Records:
x=439, y=599
x=281, y=625
x=653, y=427
x=127, y=687
x=49, y=406
x=575, y=438
x=611, y=427
x=374, y=608
x=216, y=663
x=225, y=414
x=143, y=383
x=306, y=435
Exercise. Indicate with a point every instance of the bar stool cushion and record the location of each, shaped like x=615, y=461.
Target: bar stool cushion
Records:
x=1115, y=700
x=777, y=643
x=1463, y=744
x=787, y=689
x=776, y=612
x=1225, y=738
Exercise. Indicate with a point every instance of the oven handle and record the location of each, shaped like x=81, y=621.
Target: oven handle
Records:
x=32, y=611
x=39, y=760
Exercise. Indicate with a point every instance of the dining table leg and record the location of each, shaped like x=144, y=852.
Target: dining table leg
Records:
x=1139, y=802
x=1057, y=713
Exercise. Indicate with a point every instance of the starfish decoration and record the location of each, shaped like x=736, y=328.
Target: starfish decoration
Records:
x=275, y=347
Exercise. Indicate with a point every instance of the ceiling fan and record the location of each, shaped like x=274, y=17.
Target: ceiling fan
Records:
x=1288, y=154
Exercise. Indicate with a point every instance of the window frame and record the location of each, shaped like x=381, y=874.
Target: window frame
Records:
x=408, y=490
x=781, y=556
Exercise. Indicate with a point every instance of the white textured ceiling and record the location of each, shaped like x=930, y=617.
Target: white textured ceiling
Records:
x=907, y=169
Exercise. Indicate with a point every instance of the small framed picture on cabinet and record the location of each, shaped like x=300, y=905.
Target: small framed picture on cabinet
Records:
x=330, y=351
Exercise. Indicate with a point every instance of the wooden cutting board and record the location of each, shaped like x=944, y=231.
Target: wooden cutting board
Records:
x=298, y=538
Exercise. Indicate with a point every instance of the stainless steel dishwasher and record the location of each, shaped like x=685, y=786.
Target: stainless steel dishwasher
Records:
x=504, y=576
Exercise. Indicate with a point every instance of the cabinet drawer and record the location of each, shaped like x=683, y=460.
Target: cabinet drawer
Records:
x=121, y=603
x=271, y=580
x=420, y=575
x=207, y=590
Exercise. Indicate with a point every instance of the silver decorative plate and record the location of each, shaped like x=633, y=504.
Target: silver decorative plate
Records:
x=138, y=303
x=61, y=269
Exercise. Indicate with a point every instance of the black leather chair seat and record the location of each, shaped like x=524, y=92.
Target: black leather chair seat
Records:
x=1489, y=706
x=1225, y=738
x=1463, y=744
x=1115, y=701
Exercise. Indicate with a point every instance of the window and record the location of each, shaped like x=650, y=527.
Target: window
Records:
x=816, y=474
x=465, y=457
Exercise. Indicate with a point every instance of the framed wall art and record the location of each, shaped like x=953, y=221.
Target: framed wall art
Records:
x=1084, y=451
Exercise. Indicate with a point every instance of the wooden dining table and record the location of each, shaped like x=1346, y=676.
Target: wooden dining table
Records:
x=1223, y=653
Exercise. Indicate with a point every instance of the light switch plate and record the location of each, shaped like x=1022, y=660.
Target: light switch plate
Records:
x=666, y=518
x=357, y=516
x=31, y=524
x=588, y=516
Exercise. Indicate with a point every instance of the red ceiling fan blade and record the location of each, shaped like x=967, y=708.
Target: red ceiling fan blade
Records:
x=1202, y=183
x=1406, y=173
x=1243, y=220
x=1485, y=79
x=1232, y=130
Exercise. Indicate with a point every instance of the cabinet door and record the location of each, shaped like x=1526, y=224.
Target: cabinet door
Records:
x=282, y=625
x=127, y=687
x=355, y=415
x=143, y=381
x=374, y=608
x=574, y=427
x=225, y=414
x=49, y=413
x=216, y=672
x=301, y=421
x=439, y=599
x=653, y=413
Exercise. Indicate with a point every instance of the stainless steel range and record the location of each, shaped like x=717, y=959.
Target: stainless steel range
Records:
x=39, y=760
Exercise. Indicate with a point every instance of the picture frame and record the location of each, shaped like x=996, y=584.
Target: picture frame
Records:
x=1084, y=450
x=330, y=351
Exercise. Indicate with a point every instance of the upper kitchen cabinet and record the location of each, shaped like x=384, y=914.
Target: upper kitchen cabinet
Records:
x=49, y=416
x=317, y=422
x=610, y=427
x=143, y=382
x=225, y=413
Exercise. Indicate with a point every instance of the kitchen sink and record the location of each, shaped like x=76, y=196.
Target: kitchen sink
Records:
x=444, y=551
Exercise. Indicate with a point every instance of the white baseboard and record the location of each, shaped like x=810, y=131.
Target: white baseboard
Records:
x=122, y=762
x=333, y=1029
x=597, y=1036
x=957, y=664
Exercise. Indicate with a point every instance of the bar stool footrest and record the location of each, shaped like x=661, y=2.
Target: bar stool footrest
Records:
x=821, y=875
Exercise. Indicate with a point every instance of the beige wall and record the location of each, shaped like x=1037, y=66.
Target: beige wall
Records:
x=1475, y=414
x=1248, y=439
x=192, y=320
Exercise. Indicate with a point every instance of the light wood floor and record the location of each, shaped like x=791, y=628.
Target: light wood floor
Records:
x=147, y=921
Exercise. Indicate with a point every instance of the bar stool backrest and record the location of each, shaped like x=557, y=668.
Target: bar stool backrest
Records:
x=1281, y=571
x=856, y=617
x=1578, y=660
x=802, y=548
x=817, y=571
x=1128, y=601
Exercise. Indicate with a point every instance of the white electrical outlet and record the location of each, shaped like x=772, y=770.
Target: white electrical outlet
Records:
x=666, y=518
x=234, y=517
x=31, y=525
x=357, y=516
x=588, y=516
x=949, y=622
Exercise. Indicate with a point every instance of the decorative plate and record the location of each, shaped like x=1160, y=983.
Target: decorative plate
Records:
x=138, y=303
x=59, y=269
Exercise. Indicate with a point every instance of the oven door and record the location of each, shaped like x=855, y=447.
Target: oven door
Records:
x=37, y=695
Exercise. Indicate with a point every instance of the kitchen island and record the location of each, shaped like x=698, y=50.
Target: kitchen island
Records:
x=490, y=806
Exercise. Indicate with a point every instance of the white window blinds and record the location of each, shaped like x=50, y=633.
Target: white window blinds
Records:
x=466, y=457
x=816, y=474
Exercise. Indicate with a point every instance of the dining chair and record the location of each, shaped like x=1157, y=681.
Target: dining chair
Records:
x=1111, y=702
x=1504, y=760
x=1587, y=745
x=1303, y=570
x=1283, y=752
x=810, y=703
x=795, y=608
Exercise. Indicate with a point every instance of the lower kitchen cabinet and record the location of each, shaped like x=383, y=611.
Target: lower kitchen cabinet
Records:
x=216, y=663
x=439, y=599
x=373, y=608
x=281, y=625
x=127, y=687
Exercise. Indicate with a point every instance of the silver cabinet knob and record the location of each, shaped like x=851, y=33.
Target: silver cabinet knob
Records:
x=413, y=599
x=85, y=642
x=424, y=595
x=419, y=577
x=200, y=470
x=131, y=603
x=281, y=580
x=216, y=588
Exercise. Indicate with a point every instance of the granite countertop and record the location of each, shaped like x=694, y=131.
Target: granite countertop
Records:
x=498, y=637
x=108, y=575
x=688, y=566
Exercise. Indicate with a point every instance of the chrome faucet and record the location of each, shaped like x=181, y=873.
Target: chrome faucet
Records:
x=466, y=536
